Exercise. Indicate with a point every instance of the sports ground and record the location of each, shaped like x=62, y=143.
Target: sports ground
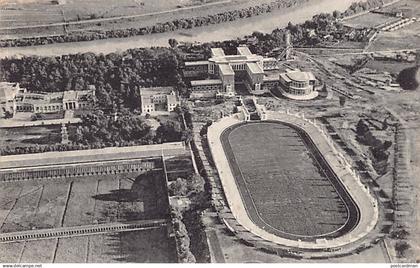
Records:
x=287, y=187
x=32, y=205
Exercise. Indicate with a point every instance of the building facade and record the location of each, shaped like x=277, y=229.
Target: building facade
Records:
x=298, y=85
x=158, y=99
x=15, y=99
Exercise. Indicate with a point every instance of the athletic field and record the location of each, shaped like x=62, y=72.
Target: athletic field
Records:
x=286, y=186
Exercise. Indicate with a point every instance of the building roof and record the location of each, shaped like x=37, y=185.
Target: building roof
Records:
x=226, y=69
x=8, y=90
x=93, y=155
x=271, y=77
x=243, y=50
x=270, y=59
x=206, y=82
x=217, y=52
x=172, y=99
x=155, y=90
x=145, y=100
x=254, y=68
x=70, y=95
x=196, y=63
x=297, y=76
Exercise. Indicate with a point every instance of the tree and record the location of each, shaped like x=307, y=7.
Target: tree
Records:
x=195, y=184
x=178, y=187
x=401, y=248
x=342, y=100
x=173, y=42
x=336, y=14
x=169, y=131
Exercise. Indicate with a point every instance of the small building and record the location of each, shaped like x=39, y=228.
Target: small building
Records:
x=8, y=92
x=158, y=100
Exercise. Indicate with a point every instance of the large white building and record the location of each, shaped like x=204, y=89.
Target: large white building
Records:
x=259, y=75
x=158, y=100
x=15, y=99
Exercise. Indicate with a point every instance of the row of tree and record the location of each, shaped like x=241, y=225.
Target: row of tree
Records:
x=361, y=6
x=173, y=25
x=98, y=130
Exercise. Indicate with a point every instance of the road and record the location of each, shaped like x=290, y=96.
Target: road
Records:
x=329, y=54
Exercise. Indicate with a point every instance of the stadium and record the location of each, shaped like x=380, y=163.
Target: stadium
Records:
x=287, y=184
x=287, y=187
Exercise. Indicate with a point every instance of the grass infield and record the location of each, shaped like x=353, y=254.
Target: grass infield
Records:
x=286, y=185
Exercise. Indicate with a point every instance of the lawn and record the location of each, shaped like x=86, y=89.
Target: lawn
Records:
x=90, y=200
x=369, y=20
x=26, y=136
x=41, y=12
x=284, y=188
x=404, y=38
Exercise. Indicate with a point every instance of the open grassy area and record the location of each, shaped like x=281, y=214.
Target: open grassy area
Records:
x=410, y=8
x=73, y=202
x=405, y=38
x=43, y=11
x=95, y=15
x=25, y=136
x=369, y=20
x=283, y=185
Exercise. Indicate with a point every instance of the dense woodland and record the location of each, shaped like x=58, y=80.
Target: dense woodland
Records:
x=116, y=76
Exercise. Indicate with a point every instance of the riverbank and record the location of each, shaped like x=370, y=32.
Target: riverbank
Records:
x=224, y=31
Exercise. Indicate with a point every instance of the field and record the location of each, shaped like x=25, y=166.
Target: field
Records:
x=15, y=137
x=147, y=246
x=410, y=8
x=405, y=38
x=392, y=67
x=369, y=20
x=100, y=15
x=74, y=202
x=283, y=183
x=43, y=11
x=105, y=15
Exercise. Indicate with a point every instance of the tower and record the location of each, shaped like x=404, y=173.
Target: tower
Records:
x=289, y=46
x=417, y=69
x=64, y=135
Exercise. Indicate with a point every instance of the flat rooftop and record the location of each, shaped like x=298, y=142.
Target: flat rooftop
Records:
x=254, y=68
x=206, y=82
x=226, y=69
x=217, y=52
x=196, y=63
x=94, y=155
x=243, y=51
x=297, y=76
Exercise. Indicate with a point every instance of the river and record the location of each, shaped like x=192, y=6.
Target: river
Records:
x=224, y=31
